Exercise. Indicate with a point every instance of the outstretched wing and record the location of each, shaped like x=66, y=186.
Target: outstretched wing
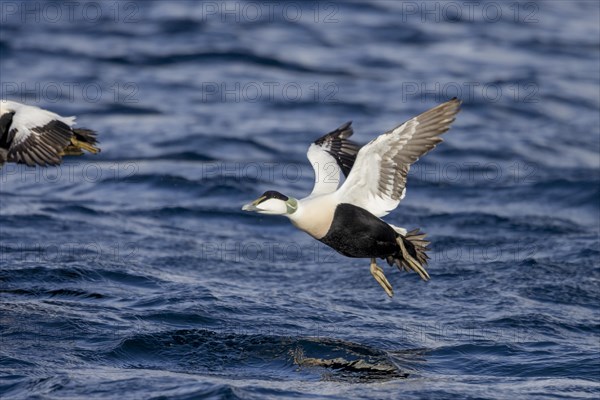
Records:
x=36, y=136
x=330, y=155
x=377, y=182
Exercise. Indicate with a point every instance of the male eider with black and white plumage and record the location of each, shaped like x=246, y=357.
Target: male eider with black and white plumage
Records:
x=348, y=218
x=33, y=136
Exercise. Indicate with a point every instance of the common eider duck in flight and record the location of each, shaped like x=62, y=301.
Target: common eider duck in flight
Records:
x=348, y=218
x=33, y=136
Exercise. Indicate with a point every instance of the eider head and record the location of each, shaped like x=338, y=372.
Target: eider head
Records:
x=274, y=203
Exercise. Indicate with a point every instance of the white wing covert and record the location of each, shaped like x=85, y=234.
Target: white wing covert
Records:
x=377, y=182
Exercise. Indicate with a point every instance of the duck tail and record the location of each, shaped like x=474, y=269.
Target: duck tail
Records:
x=82, y=139
x=413, y=253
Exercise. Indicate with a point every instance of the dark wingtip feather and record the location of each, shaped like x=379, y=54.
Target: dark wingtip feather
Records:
x=342, y=150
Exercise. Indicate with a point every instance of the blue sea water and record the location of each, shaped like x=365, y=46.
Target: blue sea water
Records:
x=135, y=274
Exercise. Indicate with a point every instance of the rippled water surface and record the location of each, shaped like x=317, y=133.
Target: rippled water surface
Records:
x=135, y=274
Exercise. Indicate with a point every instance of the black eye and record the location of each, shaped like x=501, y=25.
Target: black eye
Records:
x=271, y=194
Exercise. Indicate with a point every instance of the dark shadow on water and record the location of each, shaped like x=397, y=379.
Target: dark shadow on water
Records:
x=262, y=356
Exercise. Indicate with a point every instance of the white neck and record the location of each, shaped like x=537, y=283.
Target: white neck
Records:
x=314, y=215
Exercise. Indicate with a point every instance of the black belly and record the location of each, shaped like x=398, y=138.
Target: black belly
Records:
x=355, y=232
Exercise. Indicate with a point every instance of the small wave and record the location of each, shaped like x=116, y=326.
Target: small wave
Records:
x=76, y=274
x=74, y=209
x=201, y=141
x=121, y=108
x=54, y=293
x=236, y=56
